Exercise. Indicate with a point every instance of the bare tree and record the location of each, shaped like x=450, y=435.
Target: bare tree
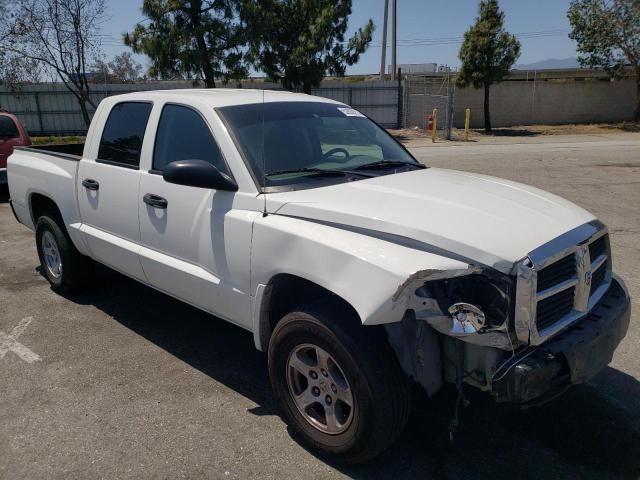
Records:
x=3, y=34
x=124, y=68
x=16, y=71
x=60, y=35
x=100, y=72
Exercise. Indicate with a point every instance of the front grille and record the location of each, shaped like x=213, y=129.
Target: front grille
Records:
x=598, y=277
x=557, y=272
x=598, y=247
x=553, y=308
x=560, y=282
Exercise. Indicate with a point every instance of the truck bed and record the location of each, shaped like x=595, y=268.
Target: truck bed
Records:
x=69, y=151
x=50, y=171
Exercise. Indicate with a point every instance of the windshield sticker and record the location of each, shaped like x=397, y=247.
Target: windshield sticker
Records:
x=350, y=112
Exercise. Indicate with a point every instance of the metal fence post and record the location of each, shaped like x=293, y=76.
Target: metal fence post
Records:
x=450, y=100
x=400, y=96
x=39, y=111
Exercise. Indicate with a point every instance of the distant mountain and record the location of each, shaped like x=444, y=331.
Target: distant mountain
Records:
x=549, y=64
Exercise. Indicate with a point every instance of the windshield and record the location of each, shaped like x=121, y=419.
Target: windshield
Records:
x=287, y=143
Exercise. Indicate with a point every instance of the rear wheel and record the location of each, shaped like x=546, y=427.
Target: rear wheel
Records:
x=62, y=265
x=338, y=384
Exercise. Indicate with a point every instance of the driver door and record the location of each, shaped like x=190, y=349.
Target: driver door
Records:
x=184, y=230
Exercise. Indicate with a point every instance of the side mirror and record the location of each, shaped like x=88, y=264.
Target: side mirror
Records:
x=198, y=173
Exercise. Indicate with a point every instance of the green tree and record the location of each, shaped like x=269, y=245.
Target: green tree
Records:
x=608, y=36
x=487, y=53
x=298, y=42
x=191, y=37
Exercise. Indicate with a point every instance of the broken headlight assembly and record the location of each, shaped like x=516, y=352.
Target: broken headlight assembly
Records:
x=476, y=303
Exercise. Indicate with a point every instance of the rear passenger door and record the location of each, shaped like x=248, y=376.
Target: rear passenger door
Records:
x=108, y=189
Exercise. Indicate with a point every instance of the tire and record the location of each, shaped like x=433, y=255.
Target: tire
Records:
x=380, y=392
x=53, y=241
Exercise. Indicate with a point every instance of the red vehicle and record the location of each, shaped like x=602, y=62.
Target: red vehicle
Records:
x=12, y=134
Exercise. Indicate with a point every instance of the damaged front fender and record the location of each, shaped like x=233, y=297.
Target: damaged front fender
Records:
x=427, y=297
x=431, y=293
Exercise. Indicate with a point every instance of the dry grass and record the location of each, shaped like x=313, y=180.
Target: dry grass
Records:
x=406, y=134
x=57, y=140
x=574, y=129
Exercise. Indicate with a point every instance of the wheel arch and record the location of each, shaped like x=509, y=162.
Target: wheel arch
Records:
x=282, y=294
x=40, y=204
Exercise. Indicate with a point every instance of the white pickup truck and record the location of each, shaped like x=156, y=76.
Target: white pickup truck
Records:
x=362, y=272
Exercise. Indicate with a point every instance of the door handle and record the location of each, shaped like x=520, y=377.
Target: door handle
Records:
x=155, y=201
x=90, y=184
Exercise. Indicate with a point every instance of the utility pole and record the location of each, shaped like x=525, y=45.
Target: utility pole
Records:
x=383, y=59
x=394, y=37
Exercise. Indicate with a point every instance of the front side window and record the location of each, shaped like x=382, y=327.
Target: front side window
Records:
x=124, y=132
x=8, y=128
x=184, y=135
x=289, y=143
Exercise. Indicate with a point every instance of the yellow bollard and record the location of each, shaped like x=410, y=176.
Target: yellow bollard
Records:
x=435, y=125
x=467, y=119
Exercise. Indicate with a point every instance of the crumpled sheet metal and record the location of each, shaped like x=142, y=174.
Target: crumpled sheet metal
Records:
x=427, y=309
x=418, y=350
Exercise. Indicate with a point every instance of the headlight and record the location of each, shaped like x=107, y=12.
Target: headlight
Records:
x=483, y=301
x=466, y=319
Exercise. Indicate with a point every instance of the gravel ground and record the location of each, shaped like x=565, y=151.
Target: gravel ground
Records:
x=127, y=382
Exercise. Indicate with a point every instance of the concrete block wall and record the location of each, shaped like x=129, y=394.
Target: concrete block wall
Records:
x=540, y=102
x=558, y=98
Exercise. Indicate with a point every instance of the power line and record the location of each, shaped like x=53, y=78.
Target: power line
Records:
x=111, y=41
x=552, y=31
x=457, y=40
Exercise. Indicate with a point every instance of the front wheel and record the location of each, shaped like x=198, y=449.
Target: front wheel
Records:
x=337, y=384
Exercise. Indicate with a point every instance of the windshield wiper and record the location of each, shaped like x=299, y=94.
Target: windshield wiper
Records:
x=388, y=164
x=318, y=171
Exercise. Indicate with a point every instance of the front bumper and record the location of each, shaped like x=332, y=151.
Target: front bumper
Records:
x=573, y=357
x=3, y=175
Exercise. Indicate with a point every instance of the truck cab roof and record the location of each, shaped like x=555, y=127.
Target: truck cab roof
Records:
x=220, y=97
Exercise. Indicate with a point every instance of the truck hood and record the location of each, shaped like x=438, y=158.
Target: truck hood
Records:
x=477, y=218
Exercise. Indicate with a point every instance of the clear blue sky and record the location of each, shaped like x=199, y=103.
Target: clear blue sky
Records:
x=543, y=24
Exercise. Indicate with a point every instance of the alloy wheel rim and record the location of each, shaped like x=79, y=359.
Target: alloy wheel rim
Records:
x=319, y=389
x=51, y=254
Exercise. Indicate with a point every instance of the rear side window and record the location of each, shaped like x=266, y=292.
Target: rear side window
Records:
x=123, y=133
x=8, y=128
x=184, y=135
